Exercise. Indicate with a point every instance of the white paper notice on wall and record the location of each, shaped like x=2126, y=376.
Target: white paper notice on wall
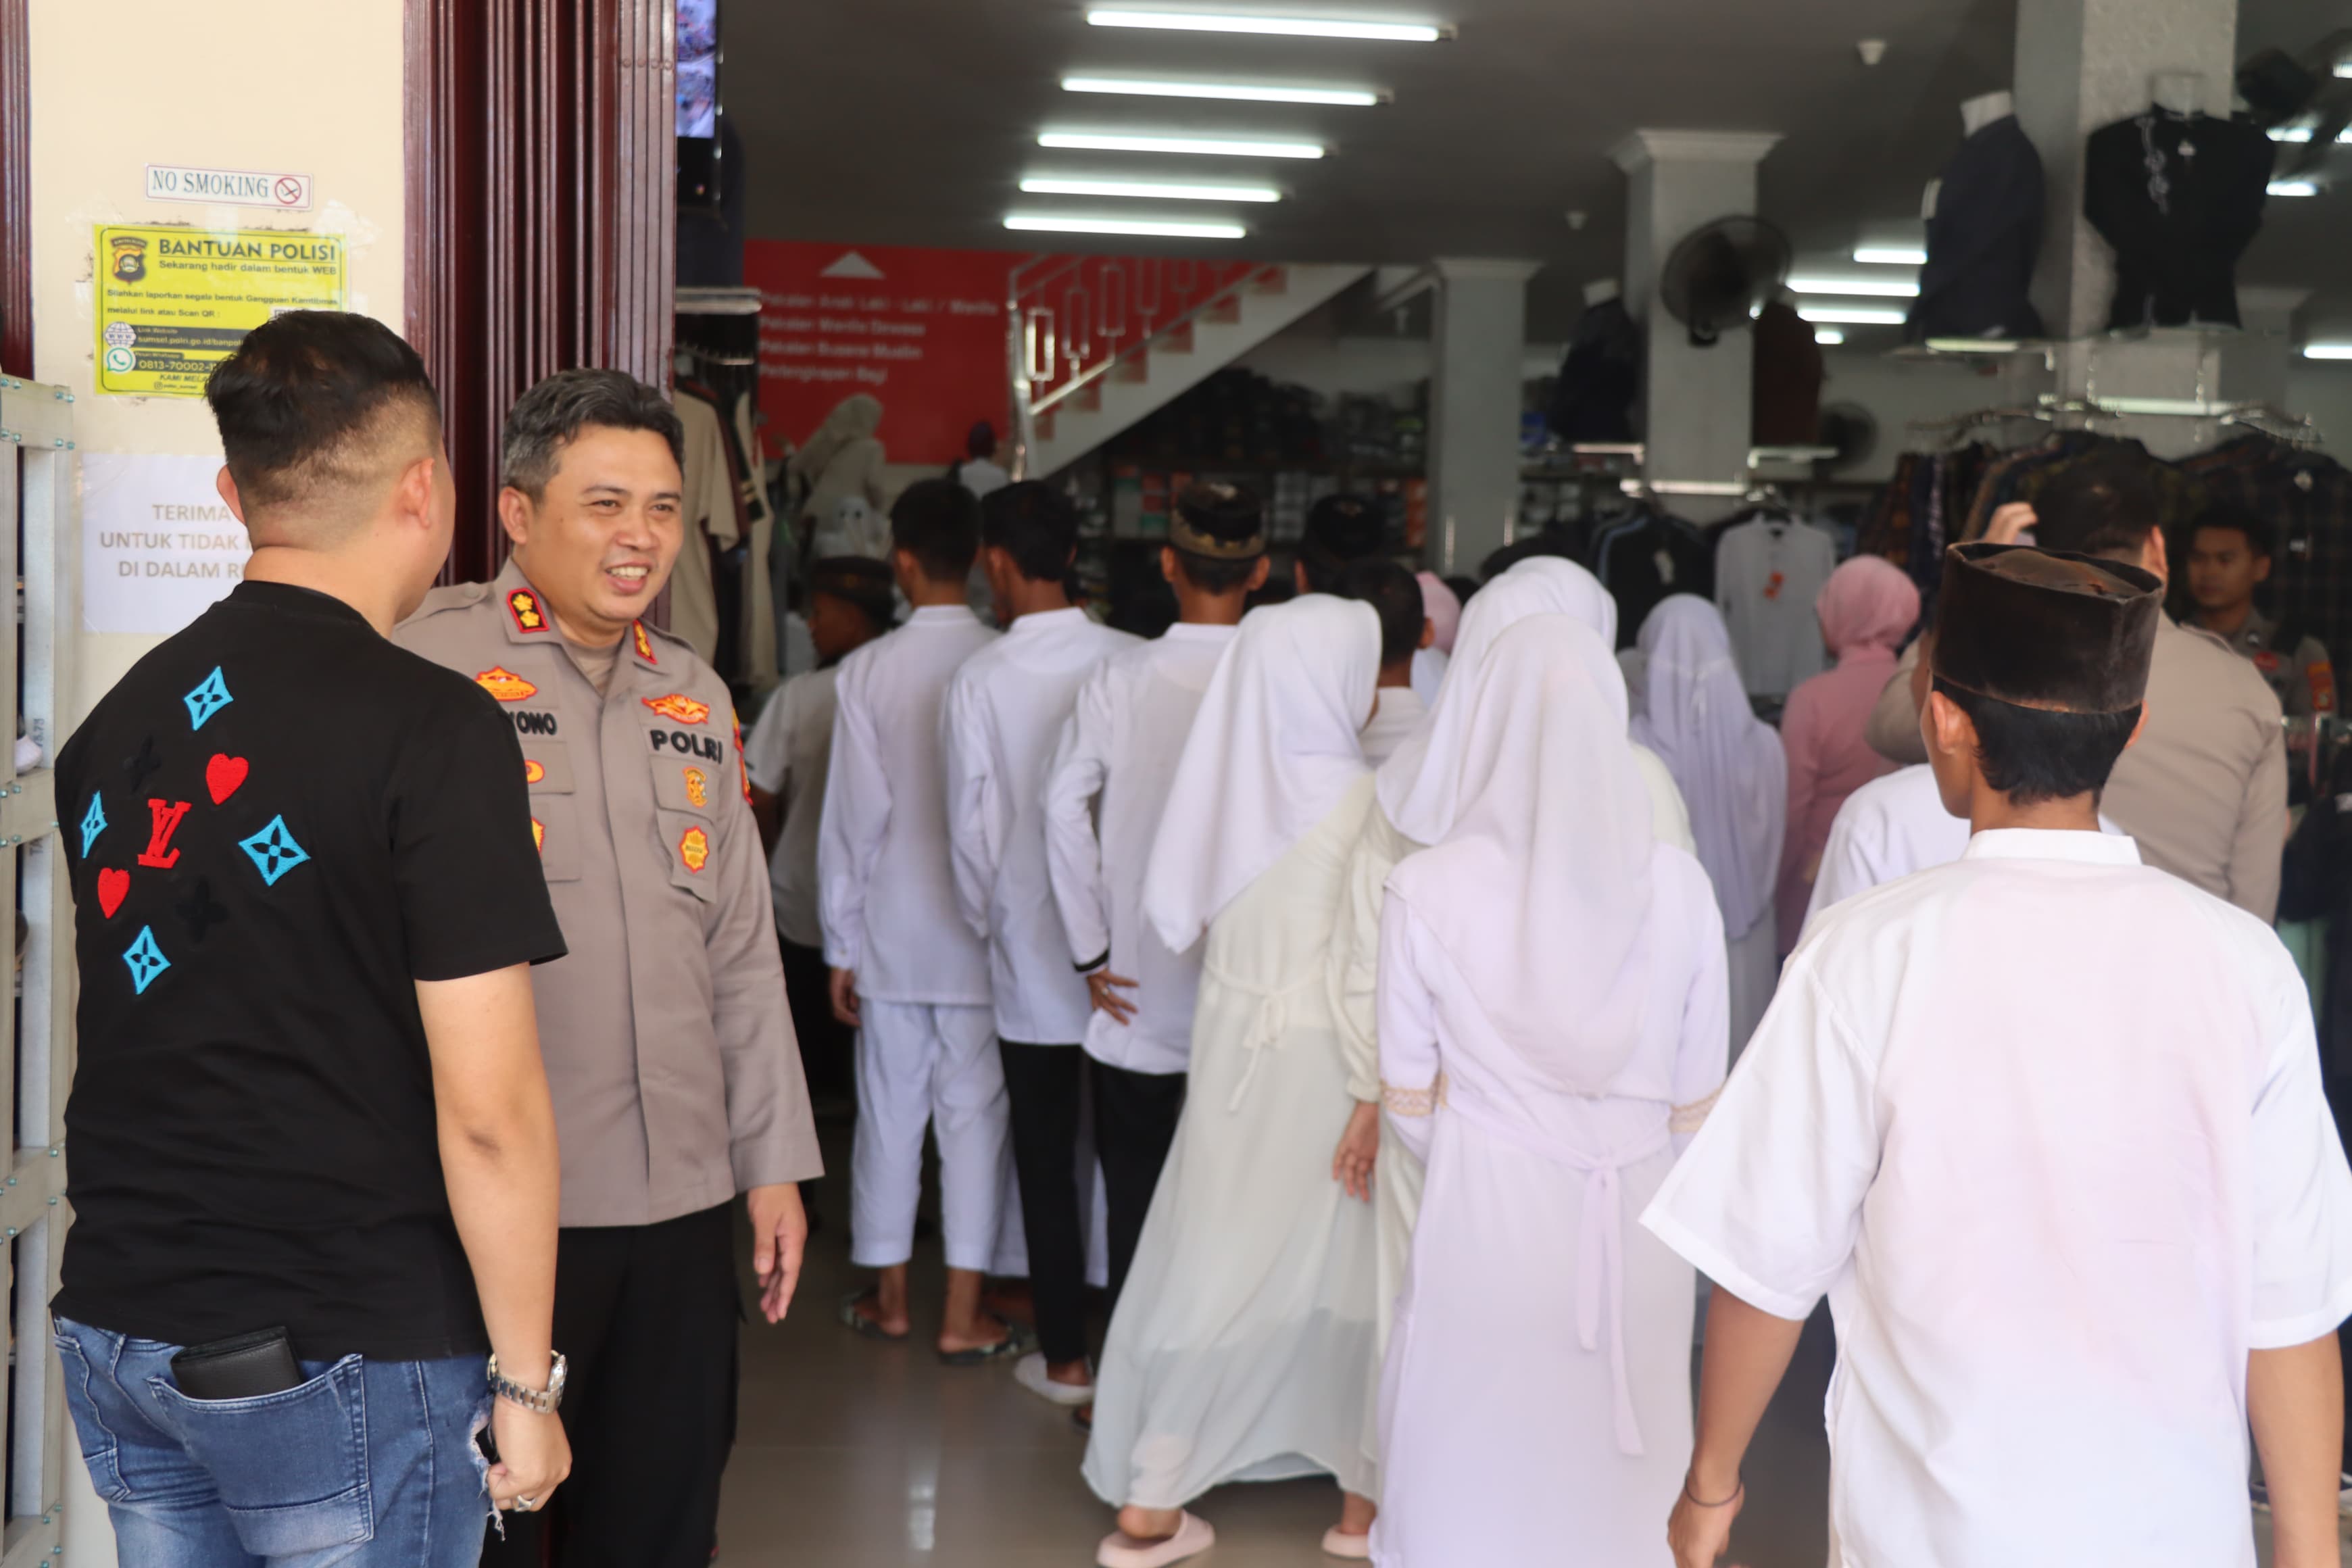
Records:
x=158, y=544
x=229, y=187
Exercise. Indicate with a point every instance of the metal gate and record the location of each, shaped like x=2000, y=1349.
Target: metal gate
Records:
x=37, y=492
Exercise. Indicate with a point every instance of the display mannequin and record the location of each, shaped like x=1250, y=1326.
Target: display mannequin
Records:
x=2179, y=194
x=1593, y=398
x=1984, y=227
x=1981, y=110
x=2178, y=92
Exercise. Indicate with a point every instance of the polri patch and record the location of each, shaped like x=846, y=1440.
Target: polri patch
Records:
x=697, y=787
x=695, y=849
x=532, y=771
x=505, y=684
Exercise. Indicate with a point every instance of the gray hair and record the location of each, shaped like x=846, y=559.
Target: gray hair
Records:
x=550, y=416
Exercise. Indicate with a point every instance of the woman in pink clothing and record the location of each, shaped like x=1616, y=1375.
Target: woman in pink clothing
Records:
x=1866, y=609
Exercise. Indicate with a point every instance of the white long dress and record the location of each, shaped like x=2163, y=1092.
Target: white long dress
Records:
x=1237, y=1352
x=1505, y=1396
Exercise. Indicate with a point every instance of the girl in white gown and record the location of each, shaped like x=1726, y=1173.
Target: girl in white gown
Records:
x=1238, y=1347
x=1734, y=777
x=1551, y=1026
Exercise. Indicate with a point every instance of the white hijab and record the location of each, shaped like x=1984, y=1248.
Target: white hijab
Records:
x=1727, y=762
x=1540, y=888
x=1271, y=753
x=1419, y=784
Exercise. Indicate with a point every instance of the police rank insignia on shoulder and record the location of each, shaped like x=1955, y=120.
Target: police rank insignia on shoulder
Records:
x=644, y=644
x=697, y=790
x=679, y=708
x=524, y=606
x=695, y=849
x=505, y=685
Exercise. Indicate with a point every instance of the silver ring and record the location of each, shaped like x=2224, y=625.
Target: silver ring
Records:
x=524, y=1504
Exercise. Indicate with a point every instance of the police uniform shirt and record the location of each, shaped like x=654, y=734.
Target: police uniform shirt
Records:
x=670, y=1047
x=2301, y=677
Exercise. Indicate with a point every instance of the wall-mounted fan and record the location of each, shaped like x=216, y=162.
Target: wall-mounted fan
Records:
x=1851, y=430
x=2280, y=89
x=1720, y=275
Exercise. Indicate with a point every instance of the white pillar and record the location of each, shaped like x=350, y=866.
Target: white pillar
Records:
x=2080, y=65
x=1474, y=405
x=1697, y=417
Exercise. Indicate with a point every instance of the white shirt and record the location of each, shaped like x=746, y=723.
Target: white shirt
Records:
x=1104, y=794
x=787, y=752
x=1005, y=714
x=2046, y=1126
x=1428, y=673
x=1399, y=713
x=885, y=888
x=981, y=476
x=1766, y=575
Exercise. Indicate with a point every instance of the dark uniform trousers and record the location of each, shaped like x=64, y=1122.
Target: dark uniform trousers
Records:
x=647, y=1315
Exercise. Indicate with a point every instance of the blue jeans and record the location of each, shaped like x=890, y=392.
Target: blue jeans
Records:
x=370, y=1464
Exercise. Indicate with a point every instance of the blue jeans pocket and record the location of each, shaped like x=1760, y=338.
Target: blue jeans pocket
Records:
x=91, y=1434
x=291, y=1467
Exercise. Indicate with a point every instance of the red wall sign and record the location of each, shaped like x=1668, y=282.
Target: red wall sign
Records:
x=923, y=331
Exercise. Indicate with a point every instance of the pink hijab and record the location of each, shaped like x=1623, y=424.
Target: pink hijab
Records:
x=1868, y=602
x=1443, y=608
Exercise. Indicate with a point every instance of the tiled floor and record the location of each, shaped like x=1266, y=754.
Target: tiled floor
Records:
x=858, y=1455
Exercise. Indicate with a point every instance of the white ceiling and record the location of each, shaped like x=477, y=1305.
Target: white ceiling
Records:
x=910, y=122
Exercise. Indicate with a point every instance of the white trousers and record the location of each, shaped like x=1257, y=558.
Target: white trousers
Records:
x=922, y=1063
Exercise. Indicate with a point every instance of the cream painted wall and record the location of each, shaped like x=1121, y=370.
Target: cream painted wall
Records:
x=280, y=85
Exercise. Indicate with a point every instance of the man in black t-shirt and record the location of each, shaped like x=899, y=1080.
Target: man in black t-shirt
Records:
x=309, y=1097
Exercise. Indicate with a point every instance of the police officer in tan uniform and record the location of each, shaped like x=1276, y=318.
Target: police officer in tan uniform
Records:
x=669, y=1046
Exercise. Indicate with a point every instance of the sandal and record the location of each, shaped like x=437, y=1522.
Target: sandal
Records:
x=1016, y=1341
x=860, y=1323
x=1192, y=1537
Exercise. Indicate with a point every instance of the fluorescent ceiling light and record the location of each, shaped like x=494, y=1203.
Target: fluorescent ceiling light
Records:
x=2302, y=133
x=2327, y=350
x=1209, y=146
x=1851, y=315
x=1828, y=336
x=1892, y=254
x=2292, y=188
x=1151, y=190
x=1043, y=224
x=2344, y=68
x=1881, y=287
x=1139, y=87
x=1288, y=27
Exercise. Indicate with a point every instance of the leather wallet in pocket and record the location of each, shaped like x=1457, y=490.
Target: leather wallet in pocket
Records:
x=243, y=1367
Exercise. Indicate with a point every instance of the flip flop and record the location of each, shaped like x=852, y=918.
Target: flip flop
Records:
x=862, y=1325
x=1192, y=1537
x=1353, y=1548
x=1015, y=1343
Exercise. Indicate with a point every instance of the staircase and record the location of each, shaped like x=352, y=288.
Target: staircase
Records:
x=1102, y=342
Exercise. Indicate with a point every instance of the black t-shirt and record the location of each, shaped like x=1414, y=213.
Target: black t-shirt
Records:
x=276, y=824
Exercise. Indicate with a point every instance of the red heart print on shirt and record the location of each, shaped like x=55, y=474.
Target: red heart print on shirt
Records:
x=225, y=776
x=113, y=887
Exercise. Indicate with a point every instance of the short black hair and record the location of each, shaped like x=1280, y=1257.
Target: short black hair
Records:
x=550, y=416
x=2034, y=754
x=1230, y=514
x=937, y=522
x=1036, y=524
x=1391, y=589
x=858, y=581
x=2261, y=538
x=300, y=403
x=1463, y=587
x=1339, y=529
x=979, y=441
x=2105, y=506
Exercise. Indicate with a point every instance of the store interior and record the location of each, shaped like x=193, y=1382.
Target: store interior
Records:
x=1613, y=282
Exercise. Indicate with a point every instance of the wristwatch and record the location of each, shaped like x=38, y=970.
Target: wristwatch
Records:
x=542, y=1402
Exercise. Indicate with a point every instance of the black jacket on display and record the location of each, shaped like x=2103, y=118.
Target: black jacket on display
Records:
x=2179, y=197
x=1593, y=400
x=1982, y=241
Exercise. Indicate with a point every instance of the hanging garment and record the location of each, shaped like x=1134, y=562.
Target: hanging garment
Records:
x=1593, y=398
x=1768, y=573
x=1647, y=557
x=2179, y=197
x=1982, y=241
x=711, y=512
x=1786, y=380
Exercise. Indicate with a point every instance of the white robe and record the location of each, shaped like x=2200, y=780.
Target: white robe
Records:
x=1238, y=1348
x=1498, y=1442
x=2046, y=1126
x=1398, y=715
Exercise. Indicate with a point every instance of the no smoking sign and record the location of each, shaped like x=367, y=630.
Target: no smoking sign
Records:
x=229, y=187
